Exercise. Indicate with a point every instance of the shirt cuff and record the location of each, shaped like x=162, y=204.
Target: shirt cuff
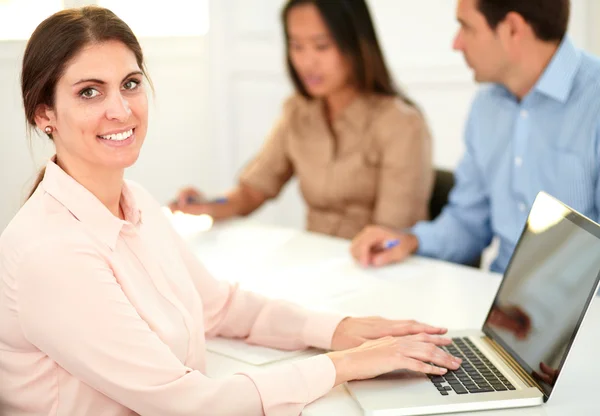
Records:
x=428, y=240
x=287, y=388
x=319, y=328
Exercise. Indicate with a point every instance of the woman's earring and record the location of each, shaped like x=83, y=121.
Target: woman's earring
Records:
x=48, y=130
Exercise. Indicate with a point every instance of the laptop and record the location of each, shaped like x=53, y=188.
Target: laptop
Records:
x=516, y=358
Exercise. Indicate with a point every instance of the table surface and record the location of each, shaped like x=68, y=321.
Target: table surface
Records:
x=317, y=271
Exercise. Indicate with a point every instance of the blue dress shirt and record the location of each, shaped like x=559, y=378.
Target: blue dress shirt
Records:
x=548, y=141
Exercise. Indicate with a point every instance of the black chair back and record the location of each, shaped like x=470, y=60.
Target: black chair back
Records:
x=444, y=182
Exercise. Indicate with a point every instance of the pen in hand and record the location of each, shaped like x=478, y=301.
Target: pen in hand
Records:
x=389, y=244
x=384, y=246
x=194, y=200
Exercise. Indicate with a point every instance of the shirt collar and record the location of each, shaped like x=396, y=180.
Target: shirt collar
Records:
x=355, y=114
x=86, y=208
x=557, y=80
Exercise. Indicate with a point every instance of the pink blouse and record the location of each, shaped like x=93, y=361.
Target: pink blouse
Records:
x=101, y=316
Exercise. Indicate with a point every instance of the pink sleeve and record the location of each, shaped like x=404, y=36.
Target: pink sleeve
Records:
x=231, y=312
x=235, y=313
x=71, y=307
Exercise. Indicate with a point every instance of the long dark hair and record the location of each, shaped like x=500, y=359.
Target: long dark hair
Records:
x=351, y=26
x=55, y=42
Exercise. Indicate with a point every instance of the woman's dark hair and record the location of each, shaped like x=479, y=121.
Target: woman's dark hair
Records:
x=56, y=41
x=352, y=29
x=549, y=19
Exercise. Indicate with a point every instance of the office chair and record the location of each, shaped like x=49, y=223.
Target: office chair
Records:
x=444, y=182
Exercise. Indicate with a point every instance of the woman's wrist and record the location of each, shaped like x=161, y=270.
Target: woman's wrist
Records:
x=340, y=363
x=222, y=211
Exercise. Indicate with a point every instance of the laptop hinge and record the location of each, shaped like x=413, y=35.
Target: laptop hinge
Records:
x=512, y=363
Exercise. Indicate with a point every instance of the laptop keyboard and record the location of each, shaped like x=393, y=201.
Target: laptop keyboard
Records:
x=476, y=374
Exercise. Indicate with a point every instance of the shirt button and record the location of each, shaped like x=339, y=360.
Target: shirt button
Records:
x=518, y=161
x=522, y=207
x=524, y=113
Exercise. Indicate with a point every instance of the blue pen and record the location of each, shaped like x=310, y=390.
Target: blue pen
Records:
x=221, y=200
x=388, y=244
x=194, y=200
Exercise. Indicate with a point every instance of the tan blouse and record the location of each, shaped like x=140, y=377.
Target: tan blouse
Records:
x=372, y=167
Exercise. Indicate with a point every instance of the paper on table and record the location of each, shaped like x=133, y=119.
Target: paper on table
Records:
x=308, y=284
x=251, y=354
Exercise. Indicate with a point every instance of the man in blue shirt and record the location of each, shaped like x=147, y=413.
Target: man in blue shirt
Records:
x=536, y=127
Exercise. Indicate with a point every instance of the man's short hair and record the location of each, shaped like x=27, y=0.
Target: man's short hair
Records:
x=549, y=19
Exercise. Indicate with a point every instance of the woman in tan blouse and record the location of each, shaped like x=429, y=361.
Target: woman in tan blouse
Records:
x=361, y=150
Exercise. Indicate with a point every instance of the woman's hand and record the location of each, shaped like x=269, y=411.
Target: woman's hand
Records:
x=242, y=200
x=190, y=201
x=352, y=332
x=420, y=353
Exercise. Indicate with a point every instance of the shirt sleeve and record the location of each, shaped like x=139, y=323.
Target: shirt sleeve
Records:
x=597, y=152
x=235, y=313
x=463, y=229
x=271, y=169
x=406, y=173
x=72, y=308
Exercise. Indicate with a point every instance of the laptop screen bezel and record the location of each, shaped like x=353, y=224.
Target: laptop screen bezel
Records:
x=586, y=224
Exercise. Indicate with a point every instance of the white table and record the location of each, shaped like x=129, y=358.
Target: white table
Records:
x=317, y=271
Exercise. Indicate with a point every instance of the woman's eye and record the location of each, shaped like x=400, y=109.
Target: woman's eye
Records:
x=131, y=84
x=89, y=93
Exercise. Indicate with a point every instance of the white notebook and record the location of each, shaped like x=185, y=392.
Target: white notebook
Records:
x=252, y=354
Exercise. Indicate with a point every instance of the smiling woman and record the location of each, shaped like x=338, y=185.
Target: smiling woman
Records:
x=107, y=106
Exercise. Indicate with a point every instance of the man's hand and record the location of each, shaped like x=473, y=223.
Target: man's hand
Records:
x=378, y=246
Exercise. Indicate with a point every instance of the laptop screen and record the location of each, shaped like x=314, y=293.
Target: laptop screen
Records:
x=548, y=285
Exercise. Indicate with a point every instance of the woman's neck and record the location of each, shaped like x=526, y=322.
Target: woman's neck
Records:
x=337, y=102
x=106, y=185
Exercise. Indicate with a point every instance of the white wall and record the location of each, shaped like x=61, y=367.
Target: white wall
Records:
x=217, y=97
x=17, y=163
